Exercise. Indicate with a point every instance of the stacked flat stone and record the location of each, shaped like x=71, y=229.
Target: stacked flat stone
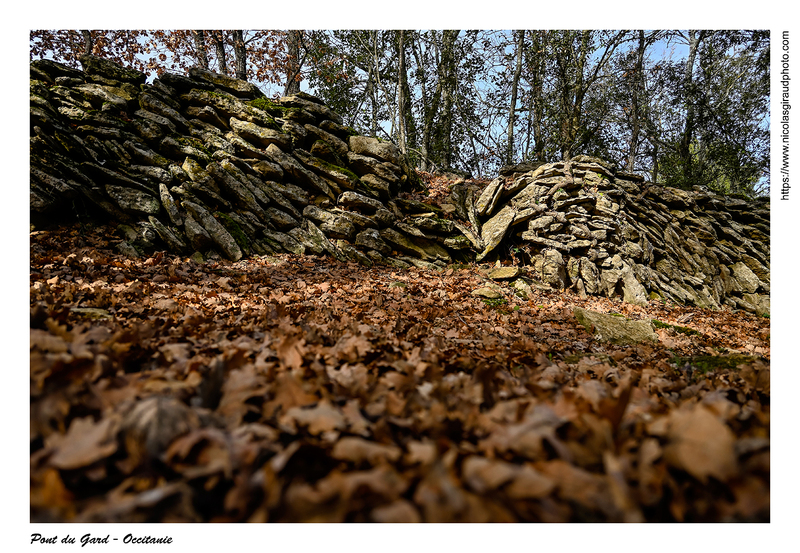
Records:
x=203, y=164
x=206, y=163
x=601, y=231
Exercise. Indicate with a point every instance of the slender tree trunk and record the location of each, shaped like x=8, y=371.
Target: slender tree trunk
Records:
x=219, y=43
x=407, y=115
x=293, y=67
x=576, y=117
x=514, y=84
x=637, y=92
x=570, y=72
x=88, y=43
x=200, y=48
x=529, y=126
x=655, y=163
x=375, y=56
x=539, y=39
x=689, y=97
x=401, y=86
x=240, y=55
x=372, y=94
x=430, y=105
x=448, y=94
x=572, y=55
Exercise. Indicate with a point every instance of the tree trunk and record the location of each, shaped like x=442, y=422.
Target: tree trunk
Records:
x=571, y=93
x=576, y=79
x=375, y=57
x=200, y=48
x=219, y=43
x=539, y=44
x=655, y=163
x=240, y=54
x=636, y=93
x=401, y=86
x=449, y=76
x=372, y=94
x=293, y=65
x=408, y=116
x=514, y=84
x=88, y=43
x=430, y=105
x=689, y=97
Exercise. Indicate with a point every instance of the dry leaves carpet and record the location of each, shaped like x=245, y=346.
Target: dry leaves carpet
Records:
x=299, y=389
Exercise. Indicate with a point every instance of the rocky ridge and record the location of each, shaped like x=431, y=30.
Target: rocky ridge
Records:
x=205, y=165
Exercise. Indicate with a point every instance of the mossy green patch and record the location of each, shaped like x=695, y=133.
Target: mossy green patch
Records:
x=264, y=104
x=161, y=161
x=655, y=296
x=495, y=302
x=331, y=168
x=198, y=258
x=235, y=230
x=680, y=329
x=191, y=142
x=273, y=108
x=703, y=364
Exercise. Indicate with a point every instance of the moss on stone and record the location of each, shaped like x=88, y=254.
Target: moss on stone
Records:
x=655, y=296
x=191, y=142
x=272, y=108
x=198, y=258
x=680, y=329
x=235, y=230
x=331, y=167
x=161, y=161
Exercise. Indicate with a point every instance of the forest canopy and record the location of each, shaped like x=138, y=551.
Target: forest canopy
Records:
x=682, y=107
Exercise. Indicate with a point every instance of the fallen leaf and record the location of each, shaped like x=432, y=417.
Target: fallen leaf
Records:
x=86, y=442
x=700, y=444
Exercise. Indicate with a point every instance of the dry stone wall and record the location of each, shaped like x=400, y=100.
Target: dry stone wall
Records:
x=203, y=164
x=586, y=226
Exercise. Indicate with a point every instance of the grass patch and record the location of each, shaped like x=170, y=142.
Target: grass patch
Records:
x=703, y=364
x=679, y=329
x=495, y=303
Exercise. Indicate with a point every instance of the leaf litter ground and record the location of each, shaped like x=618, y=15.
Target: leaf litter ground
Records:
x=293, y=388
